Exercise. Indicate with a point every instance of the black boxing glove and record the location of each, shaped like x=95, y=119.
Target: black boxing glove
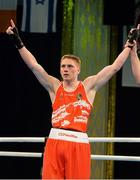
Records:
x=16, y=38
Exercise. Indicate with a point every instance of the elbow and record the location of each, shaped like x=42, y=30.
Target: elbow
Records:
x=116, y=69
x=37, y=68
x=34, y=67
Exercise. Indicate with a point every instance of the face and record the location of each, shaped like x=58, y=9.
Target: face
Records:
x=69, y=69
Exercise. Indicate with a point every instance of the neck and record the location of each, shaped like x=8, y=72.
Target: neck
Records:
x=70, y=86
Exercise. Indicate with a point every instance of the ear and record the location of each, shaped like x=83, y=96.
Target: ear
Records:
x=79, y=70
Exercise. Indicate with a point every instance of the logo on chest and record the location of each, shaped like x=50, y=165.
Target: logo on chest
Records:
x=79, y=96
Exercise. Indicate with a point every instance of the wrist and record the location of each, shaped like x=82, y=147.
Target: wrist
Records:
x=16, y=38
x=17, y=41
x=130, y=46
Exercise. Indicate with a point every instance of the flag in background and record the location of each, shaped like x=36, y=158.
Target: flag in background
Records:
x=39, y=16
x=7, y=11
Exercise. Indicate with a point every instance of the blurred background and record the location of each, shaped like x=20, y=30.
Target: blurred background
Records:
x=94, y=30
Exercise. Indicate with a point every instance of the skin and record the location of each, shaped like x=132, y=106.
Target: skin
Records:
x=135, y=63
x=70, y=70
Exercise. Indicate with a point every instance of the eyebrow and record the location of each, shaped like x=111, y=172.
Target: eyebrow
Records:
x=69, y=65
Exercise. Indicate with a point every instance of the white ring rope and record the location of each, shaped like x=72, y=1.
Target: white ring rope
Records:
x=94, y=157
x=115, y=139
x=20, y=154
x=117, y=158
x=91, y=139
x=23, y=139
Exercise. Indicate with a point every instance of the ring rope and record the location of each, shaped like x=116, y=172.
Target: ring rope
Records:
x=20, y=154
x=115, y=157
x=94, y=157
x=91, y=139
x=23, y=139
x=114, y=139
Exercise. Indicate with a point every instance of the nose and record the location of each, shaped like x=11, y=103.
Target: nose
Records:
x=66, y=68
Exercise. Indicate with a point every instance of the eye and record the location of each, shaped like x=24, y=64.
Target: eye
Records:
x=62, y=65
x=70, y=66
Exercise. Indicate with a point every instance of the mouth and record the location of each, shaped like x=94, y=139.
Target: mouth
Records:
x=65, y=75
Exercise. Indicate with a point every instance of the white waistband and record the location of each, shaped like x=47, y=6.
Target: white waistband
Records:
x=68, y=135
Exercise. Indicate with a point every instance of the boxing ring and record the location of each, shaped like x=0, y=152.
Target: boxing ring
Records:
x=91, y=140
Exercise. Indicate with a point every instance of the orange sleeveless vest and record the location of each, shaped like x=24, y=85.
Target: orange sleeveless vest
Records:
x=71, y=110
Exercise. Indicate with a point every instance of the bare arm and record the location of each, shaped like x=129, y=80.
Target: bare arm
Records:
x=135, y=63
x=93, y=83
x=104, y=75
x=49, y=82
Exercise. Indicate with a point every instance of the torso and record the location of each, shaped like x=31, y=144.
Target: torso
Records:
x=71, y=109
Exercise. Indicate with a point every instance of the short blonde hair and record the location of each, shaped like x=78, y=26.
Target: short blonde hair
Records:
x=71, y=56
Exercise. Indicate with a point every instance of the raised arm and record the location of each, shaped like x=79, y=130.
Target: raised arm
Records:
x=93, y=83
x=49, y=82
x=105, y=74
x=134, y=35
x=135, y=63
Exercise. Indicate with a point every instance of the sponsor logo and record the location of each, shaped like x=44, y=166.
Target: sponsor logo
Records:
x=67, y=135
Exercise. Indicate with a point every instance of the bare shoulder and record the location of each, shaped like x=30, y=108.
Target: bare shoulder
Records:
x=52, y=86
x=52, y=83
x=89, y=82
x=49, y=82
